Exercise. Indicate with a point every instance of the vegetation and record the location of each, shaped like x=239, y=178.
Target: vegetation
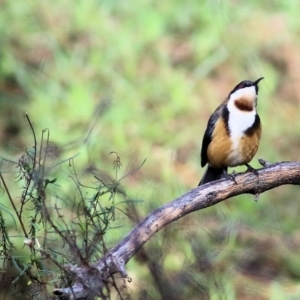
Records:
x=139, y=79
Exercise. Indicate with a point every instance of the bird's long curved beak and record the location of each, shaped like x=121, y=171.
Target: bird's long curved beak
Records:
x=258, y=80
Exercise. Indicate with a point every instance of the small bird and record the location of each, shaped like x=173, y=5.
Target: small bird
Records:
x=233, y=133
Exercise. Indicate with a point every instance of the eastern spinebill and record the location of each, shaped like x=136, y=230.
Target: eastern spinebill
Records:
x=233, y=132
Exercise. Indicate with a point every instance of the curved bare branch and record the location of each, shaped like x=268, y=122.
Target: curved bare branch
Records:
x=89, y=280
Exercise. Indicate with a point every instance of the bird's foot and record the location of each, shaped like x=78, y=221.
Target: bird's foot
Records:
x=229, y=176
x=251, y=169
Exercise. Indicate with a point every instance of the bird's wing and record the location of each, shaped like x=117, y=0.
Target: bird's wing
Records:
x=209, y=131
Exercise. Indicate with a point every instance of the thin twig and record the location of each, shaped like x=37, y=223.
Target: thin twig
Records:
x=13, y=205
x=33, y=166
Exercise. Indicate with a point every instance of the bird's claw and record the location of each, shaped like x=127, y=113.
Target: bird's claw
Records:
x=229, y=176
x=251, y=169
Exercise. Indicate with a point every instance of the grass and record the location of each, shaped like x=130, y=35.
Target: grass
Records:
x=145, y=76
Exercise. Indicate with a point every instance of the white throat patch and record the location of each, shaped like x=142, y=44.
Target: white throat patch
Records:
x=248, y=93
x=240, y=120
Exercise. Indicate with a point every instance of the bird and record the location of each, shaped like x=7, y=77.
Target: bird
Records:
x=232, y=134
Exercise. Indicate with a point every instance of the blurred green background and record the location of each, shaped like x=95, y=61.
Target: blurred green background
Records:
x=141, y=78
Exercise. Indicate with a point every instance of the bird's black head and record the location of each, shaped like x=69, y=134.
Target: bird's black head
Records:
x=247, y=83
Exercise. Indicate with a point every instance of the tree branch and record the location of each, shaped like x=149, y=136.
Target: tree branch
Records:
x=90, y=280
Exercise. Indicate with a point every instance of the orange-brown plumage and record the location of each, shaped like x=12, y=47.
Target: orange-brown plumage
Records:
x=248, y=145
x=220, y=153
x=219, y=148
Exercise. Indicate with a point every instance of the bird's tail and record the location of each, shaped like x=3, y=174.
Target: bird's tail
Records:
x=212, y=174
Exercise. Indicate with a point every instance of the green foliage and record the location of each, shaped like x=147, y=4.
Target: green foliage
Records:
x=54, y=228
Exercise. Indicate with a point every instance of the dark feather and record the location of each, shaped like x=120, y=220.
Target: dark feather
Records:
x=212, y=174
x=209, y=131
x=251, y=130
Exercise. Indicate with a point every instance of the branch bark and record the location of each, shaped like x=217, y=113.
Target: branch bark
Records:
x=89, y=280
